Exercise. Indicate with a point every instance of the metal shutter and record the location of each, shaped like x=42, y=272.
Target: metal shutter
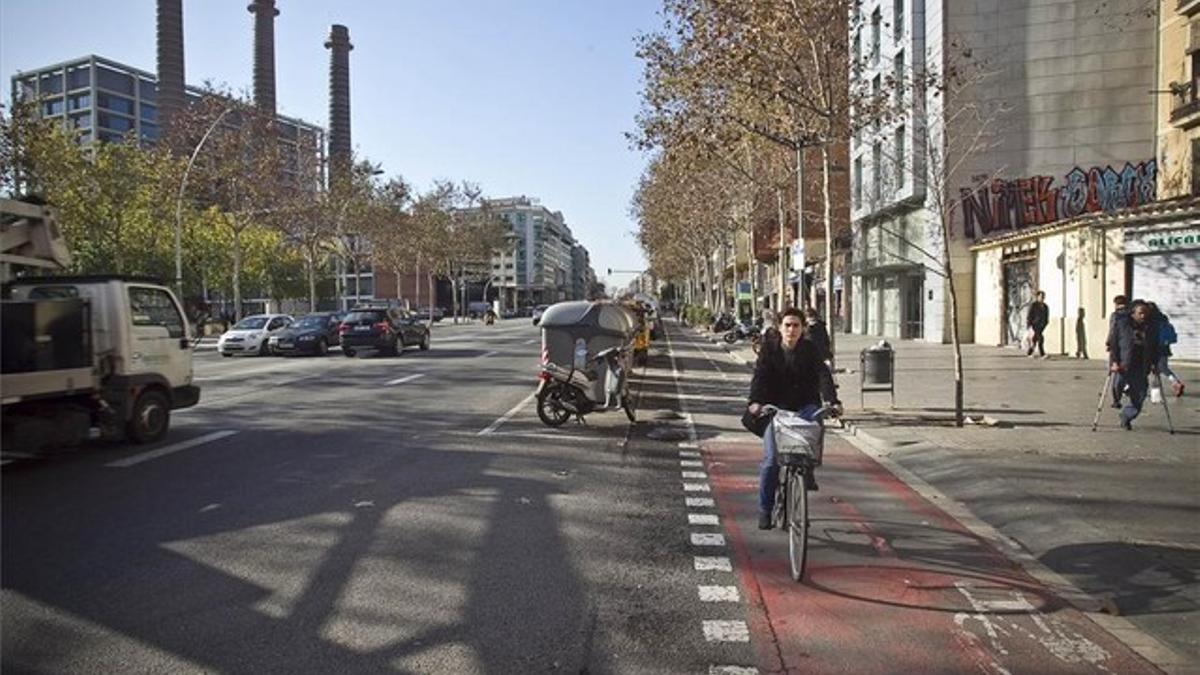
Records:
x=1172, y=280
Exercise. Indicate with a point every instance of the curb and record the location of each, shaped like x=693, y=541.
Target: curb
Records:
x=1144, y=644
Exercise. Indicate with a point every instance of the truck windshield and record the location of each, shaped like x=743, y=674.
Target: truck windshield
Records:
x=251, y=323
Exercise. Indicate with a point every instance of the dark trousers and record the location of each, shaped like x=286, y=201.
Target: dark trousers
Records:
x=1138, y=384
x=1038, y=341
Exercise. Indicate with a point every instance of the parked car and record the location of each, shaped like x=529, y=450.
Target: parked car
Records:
x=537, y=313
x=438, y=313
x=387, y=330
x=252, y=334
x=310, y=334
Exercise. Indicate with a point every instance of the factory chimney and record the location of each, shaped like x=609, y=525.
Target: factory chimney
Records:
x=170, y=59
x=264, y=54
x=339, y=47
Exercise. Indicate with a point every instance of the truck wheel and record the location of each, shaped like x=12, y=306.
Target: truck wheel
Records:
x=151, y=417
x=348, y=353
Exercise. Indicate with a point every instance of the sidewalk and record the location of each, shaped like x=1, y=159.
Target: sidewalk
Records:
x=1115, y=513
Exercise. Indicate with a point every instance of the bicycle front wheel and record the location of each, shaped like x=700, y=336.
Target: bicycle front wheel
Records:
x=797, y=523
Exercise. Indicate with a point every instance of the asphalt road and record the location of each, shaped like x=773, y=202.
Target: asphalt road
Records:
x=410, y=514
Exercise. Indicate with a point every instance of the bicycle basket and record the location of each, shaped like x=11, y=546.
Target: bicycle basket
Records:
x=795, y=435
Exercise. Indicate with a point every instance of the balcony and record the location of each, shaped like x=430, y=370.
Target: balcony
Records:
x=1187, y=7
x=1186, y=111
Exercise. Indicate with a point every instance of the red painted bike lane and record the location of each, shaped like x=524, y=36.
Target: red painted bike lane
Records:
x=893, y=584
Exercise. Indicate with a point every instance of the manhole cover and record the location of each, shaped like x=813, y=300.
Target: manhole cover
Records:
x=667, y=415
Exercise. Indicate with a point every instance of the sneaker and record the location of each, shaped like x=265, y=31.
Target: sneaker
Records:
x=1177, y=387
x=1126, y=424
x=1045, y=356
x=764, y=521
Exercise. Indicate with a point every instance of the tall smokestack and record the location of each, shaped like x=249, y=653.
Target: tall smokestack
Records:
x=170, y=58
x=339, y=47
x=264, y=53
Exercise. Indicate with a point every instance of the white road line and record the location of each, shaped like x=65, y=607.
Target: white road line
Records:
x=703, y=519
x=718, y=564
x=506, y=416
x=696, y=487
x=700, y=502
x=698, y=475
x=732, y=670
x=691, y=427
x=540, y=435
x=689, y=453
x=719, y=594
x=486, y=354
x=707, y=539
x=169, y=449
x=533, y=341
x=726, y=631
x=690, y=463
x=406, y=378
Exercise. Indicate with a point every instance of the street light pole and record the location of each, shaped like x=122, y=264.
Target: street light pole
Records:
x=179, y=202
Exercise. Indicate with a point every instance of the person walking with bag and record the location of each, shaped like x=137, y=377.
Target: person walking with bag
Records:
x=1037, y=319
x=791, y=375
x=1166, y=337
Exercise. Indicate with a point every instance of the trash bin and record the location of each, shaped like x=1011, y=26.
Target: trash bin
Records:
x=878, y=367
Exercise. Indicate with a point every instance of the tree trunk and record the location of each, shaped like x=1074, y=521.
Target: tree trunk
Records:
x=783, y=247
x=432, y=295
x=237, y=274
x=311, y=265
x=826, y=169
x=750, y=264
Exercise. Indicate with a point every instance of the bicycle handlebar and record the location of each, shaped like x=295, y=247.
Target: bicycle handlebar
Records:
x=822, y=412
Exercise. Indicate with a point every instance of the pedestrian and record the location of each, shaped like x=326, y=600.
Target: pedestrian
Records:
x=1037, y=319
x=816, y=333
x=1120, y=314
x=1166, y=337
x=769, y=330
x=1136, y=353
x=1080, y=336
x=791, y=376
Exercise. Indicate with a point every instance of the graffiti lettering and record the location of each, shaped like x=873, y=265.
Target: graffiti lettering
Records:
x=1027, y=202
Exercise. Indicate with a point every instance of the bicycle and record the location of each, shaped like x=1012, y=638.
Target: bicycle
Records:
x=799, y=444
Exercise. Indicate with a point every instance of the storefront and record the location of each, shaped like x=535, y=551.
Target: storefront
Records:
x=1162, y=262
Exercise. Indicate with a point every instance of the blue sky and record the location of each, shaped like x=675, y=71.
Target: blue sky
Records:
x=525, y=97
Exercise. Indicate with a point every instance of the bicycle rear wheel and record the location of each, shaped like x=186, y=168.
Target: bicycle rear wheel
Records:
x=797, y=522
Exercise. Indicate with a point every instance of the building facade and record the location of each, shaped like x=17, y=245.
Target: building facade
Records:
x=538, y=269
x=1067, y=131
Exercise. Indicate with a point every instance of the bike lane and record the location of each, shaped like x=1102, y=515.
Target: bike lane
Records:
x=893, y=583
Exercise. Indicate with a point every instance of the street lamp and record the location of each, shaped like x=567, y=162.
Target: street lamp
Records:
x=179, y=202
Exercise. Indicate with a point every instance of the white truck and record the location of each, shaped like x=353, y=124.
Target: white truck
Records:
x=110, y=352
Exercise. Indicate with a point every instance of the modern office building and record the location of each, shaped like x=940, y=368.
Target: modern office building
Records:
x=583, y=277
x=109, y=101
x=538, y=268
x=1064, y=85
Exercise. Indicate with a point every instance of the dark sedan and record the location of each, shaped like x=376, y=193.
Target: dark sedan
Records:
x=311, y=334
x=387, y=331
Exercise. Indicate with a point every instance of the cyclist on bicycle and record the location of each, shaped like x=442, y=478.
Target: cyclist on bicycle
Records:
x=790, y=375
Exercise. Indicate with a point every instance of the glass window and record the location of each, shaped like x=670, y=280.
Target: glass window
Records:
x=27, y=88
x=148, y=91
x=53, y=292
x=115, y=103
x=876, y=172
x=876, y=27
x=149, y=112
x=79, y=101
x=79, y=77
x=898, y=75
x=52, y=83
x=110, y=136
x=149, y=131
x=85, y=137
x=52, y=106
x=857, y=179
x=901, y=160
x=898, y=19
x=82, y=121
x=111, y=79
x=114, y=122
x=154, y=307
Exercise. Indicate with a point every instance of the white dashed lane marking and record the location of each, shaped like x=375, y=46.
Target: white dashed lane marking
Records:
x=695, y=475
x=169, y=449
x=700, y=502
x=696, y=487
x=712, y=564
x=703, y=519
x=406, y=378
x=732, y=670
x=707, y=539
x=726, y=631
x=691, y=463
x=719, y=594
x=691, y=454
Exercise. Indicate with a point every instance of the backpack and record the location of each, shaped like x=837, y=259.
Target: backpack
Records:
x=1166, y=333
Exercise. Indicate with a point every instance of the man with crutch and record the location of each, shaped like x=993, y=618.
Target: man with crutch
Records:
x=1135, y=350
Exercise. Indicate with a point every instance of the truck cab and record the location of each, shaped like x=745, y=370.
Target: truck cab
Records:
x=132, y=366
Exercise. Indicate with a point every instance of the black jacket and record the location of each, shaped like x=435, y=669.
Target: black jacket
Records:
x=1136, y=346
x=815, y=333
x=1110, y=342
x=791, y=386
x=1039, y=316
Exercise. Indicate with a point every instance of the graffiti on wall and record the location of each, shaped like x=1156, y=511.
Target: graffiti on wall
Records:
x=1026, y=202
